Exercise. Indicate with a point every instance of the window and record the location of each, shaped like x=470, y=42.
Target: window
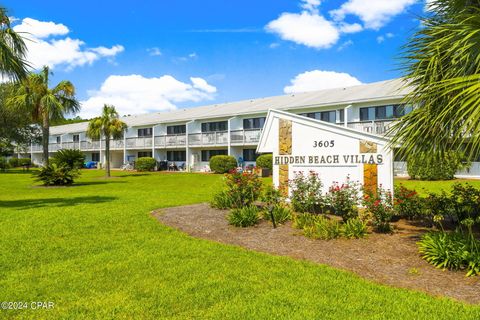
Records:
x=96, y=156
x=249, y=155
x=58, y=139
x=253, y=123
x=383, y=112
x=142, y=154
x=341, y=113
x=176, y=155
x=207, y=154
x=328, y=116
x=145, y=132
x=76, y=138
x=214, y=126
x=179, y=129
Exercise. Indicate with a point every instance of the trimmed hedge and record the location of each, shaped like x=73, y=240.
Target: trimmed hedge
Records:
x=24, y=162
x=222, y=164
x=435, y=167
x=145, y=164
x=265, y=161
x=13, y=162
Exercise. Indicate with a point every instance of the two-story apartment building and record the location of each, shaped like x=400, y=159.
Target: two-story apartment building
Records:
x=189, y=137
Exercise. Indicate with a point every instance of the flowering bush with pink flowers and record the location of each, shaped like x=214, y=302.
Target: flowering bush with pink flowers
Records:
x=306, y=193
x=380, y=205
x=343, y=199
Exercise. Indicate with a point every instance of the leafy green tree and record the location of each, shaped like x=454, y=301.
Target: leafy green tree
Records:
x=442, y=63
x=44, y=104
x=14, y=126
x=12, y=50
x=107, y=126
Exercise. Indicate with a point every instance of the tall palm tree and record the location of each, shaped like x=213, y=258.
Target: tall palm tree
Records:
x=108, y=126
x=12, y=50
x=43, y=103
x=442, y=64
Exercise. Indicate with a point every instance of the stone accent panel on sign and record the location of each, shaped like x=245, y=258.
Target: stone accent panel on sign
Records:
x=285, y=148
x=285, y=137
x=368, y=147
x=370, y=178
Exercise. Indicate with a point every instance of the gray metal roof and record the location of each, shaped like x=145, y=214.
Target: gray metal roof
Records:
x=377, y=91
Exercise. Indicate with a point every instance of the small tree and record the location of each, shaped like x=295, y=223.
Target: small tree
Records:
x=108, y=126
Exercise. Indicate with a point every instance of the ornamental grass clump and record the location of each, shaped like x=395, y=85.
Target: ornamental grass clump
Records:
x=354, y=229
x=323, y=228
x=281, y=214
x=343, y=199
x=244, y=217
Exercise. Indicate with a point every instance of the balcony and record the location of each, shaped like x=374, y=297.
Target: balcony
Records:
x=171, y=141
x=208, y=138
x=245, y=137
x=139, y=143
x=380, y=127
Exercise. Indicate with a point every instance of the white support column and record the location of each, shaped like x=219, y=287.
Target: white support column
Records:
x=125, y=147
x=229, y=129
x=188, y=152
x=153, y=142
x=345, y=115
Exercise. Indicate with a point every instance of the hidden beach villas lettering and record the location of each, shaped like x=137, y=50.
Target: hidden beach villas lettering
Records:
x=335, y=159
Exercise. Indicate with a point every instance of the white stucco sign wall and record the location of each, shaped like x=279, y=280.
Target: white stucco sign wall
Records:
x=301, y=145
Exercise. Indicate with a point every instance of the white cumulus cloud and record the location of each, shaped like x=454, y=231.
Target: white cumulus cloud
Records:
x=134, y=94
x=373, y=13
x=48, y=44
x=319, y=79
x=307, y=28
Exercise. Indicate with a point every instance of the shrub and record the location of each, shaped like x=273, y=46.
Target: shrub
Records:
x=70, y=158
x=306, y=193
x=243, y=188
x=24, y=162
x=221, y=200
x=343, y=199
x=280, y=213
x=323, y=228
x=465, y=202
x=54, y=175
x=3, y=164
x=354, y=228
x=272, y=196
x=243, y=217
x=407, y=203
x=265, y=161
x=222, y=164
x=13, y=162
x=380, y=205
x=145, y=164
x=435, y=167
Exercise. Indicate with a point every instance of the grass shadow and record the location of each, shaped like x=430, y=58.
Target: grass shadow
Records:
x=26, y=204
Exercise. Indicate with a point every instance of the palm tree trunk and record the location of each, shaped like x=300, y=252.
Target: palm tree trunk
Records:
x=107, y=156
x=45, y=138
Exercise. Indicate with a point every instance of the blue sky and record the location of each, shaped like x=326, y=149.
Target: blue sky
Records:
x=159, y=55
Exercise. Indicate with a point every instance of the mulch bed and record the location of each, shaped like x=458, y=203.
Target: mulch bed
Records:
x=390, y=259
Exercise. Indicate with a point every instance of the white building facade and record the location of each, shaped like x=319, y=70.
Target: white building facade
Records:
x=189, y=137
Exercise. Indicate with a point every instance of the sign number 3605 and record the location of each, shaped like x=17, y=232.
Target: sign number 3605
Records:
x=323, y=144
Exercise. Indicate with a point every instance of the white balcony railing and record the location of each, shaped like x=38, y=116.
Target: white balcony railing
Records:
x=208, y=138
x=139, y=143
x=241, y=137
x=378, y=127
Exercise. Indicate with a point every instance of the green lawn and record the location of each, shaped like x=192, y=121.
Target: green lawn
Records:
x=423, y=187
x=94, y=250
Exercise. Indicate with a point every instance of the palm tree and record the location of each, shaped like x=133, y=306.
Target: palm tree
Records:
x=44, y=104
x=442, y=64
x=108, y=126
x=12, y=50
